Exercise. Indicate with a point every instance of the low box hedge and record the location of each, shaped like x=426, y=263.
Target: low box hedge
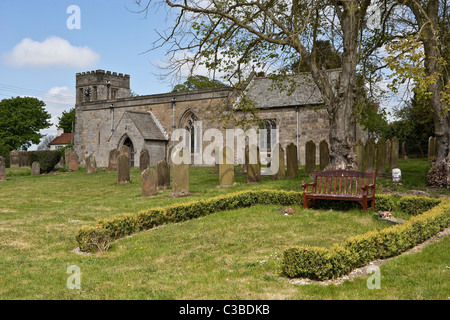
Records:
x=147, y=219
x=360, y=250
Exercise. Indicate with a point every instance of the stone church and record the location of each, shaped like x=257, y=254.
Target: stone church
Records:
x=107, y=117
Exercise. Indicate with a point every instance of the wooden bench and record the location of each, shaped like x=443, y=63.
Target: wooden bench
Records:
x=347, y=185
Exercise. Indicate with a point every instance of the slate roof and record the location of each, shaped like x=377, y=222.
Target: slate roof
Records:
x=65, y=138
x=146, y=125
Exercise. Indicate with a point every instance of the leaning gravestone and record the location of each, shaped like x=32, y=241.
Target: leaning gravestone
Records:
x=358, y=149
x=148, y=183
x=2, y=169
x=324, y=154
x=381, y=157
x=369, y=155
x=278, y=160
x=226, y=167
x=91, y=164
x=180, y=178
x=144, y=160
x=14, y=160
x=310, y=157
x=112, y=161
x=291, y=160
x=123, y=169
x=252, y=158
x=35, y=168
x=163, y=175
x=394, y=154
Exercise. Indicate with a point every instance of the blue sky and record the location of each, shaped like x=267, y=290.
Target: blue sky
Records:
x=110, y=38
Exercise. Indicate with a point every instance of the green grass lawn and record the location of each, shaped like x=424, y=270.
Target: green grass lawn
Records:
x=226, y=255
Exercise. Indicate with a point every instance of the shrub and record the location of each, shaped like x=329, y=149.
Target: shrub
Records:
x=322, y=263
x=47, y=159
x=414, y=205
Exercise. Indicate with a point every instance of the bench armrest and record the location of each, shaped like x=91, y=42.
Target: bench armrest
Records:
x=370, y=186
x=306, y=185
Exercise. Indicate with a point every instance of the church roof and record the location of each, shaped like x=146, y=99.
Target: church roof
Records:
x=65, y=138
x=147, y=125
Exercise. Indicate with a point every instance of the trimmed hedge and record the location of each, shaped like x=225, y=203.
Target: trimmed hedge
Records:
x=414, y=205
x=147, y=219
x=359, y=250
x=47, y=159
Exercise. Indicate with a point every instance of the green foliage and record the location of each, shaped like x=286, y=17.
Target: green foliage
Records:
x=47, y=159
x=67, y=120
x=197, y=82
x=21, y=119
x=4, y=152
x=321, y=263
x=414, y=205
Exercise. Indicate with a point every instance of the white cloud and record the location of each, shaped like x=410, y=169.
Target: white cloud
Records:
x=52, y=52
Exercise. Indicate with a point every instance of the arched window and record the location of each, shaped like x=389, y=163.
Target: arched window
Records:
x=270, y=135
x=190, y=131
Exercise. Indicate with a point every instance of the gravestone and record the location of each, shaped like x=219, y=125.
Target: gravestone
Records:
x=149, y=183
x=71, y=159
x=180, y=178
x=215, y=169
x=278, y=156
x=310, y=157
x=226, y=167
x=291, y=160
x=358, y=149
x=394, y=154
x=324, y=155
x=369, y=155
x=2, y=169
x=112, y=161
x=35, y=168
x=252, y=158
x=123, y=169
x=404, y=151
x=163, y=175
x=388, y=150
x=14, y=159
x=431, y=154
x=125, y=150
x=144, y=160
x=24, y=162
x=381, y=157
x=91, y=164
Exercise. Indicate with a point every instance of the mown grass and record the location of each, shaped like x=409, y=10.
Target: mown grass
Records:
x=227, y=255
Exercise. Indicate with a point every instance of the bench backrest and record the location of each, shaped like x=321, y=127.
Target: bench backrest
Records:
x=343, y=182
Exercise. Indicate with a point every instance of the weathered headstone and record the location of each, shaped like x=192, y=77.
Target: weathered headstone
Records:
x=394, y=154
x=431, y=148
x=388, y=150
x=35, y=168
x=91, y=164
x=180, y=178
x=252, y=157
x=144, y=160
x=2, y=169
x=14, y=159
x=149, y=183
x=24, y=162
x=112, y=161
x=125, y=150
x=163, y=175
x=404, y=151
x=381, y=157
x=226, y=167
x=369, y=155
x=123, y=169
x=278, y=156
x=324, y=155
x=291, y=160
x=310, y=157
x=71, y=159
x=358, y=149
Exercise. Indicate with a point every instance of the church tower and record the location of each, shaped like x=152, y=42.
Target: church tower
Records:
x=100, y=85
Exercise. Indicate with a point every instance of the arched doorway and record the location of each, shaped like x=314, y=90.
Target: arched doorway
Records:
x=127, y=142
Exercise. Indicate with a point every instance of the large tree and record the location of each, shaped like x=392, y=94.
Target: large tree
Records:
x=67, y=120
x=21, y=119
x=227, y=36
